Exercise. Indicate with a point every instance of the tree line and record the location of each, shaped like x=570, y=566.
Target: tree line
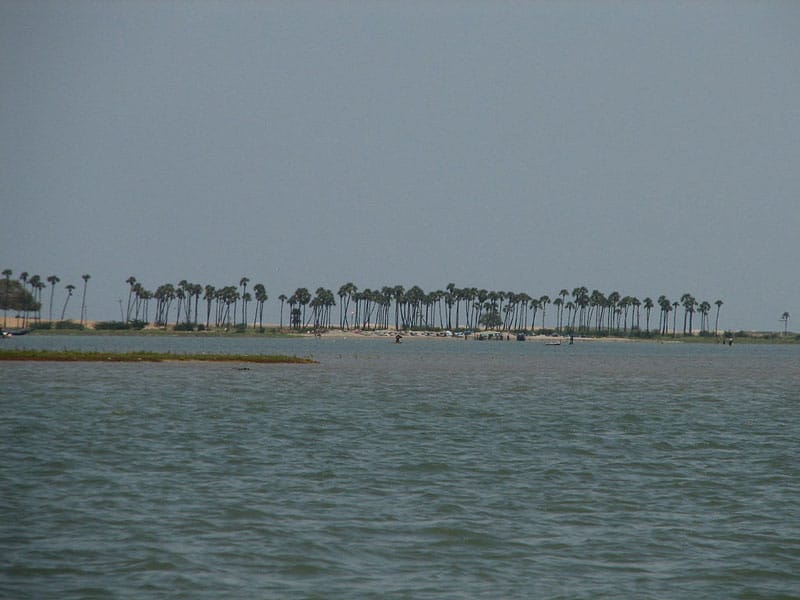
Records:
x=28, y=302
x=454, y=308
x=188, y=305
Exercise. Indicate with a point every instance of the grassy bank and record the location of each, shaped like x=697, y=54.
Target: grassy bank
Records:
x=79, y=356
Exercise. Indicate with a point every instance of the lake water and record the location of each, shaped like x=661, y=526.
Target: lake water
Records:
x=429, y=469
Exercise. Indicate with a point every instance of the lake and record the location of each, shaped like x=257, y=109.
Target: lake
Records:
x=428, y=469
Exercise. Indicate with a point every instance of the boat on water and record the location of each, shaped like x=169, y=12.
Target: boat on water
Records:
x=553, y=343
x=14, y=332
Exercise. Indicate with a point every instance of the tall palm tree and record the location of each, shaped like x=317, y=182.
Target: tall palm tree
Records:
x=581, y=300
x=261, y=297
x=247, y=297
x=346, y=293
x=146, y=296
x=69, y=289
x=688, y=302
x=534, y=304
x=23, y=277
x=705, y=308
x=717, y=303
x=570, y=306
x=7, y=274
x=648, y=306
x=52, y=280
x=282, y=298
x=243, y=284
x=209, y=293
x=563, y=294
x=636, y=305
x=180, y=294
x=85, y=278
x=197, y=291
x=785, y=319
x=131, y=281
x=303, y=297
x=35, y=281
x=543, y=302
x=675, y=306
x=559, y=304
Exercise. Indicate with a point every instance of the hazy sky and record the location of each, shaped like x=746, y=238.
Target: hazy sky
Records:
x=644, y=147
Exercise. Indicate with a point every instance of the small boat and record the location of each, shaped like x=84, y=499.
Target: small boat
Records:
x=520, y=337
x=14, y=332
x=553, y=343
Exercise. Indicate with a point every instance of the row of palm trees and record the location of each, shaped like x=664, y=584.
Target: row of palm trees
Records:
x=576, y=311
x=452, y=308
x=37, y=286
x=225, y=306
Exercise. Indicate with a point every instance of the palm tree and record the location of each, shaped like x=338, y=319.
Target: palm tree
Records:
x=85, y=278
x=180, y=294
x=581, y=300
x=611, y=304
x=636, y=305
x=131, y=281
x=197, y=291
x=688, y=302
x=399, y=297
x=243, y=284
x=261, y=298
x=69, y=289
x=717, y=303
x=164, y=296
x=146, y=296
x=705, y=307
x=563, y=294
x=675, y=306
x=785, y=319
x=282, y=298
x=7, y=274
x=543, y=302
x=35, y=281
x=52, y=280
x=208, y=295
x=559, y=304
x=570, y=306
x=534, y=304
x=648, y=306
x=346, y=293
x=303, y=297
x=23, y=277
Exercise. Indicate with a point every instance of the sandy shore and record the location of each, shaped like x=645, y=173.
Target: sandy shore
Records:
x=13, y=322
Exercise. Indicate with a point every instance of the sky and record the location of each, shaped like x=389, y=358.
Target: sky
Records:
x=647, y=148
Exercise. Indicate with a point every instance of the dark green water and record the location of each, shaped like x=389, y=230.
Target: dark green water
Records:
x=429, y=469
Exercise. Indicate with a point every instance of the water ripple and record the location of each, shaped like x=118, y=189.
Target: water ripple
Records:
x=478, y=471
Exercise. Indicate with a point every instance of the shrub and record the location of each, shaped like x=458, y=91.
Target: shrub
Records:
x=68, y=325
x=183, y=327
x=112, y=325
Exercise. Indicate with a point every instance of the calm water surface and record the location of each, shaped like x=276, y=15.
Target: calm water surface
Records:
x=429, y=469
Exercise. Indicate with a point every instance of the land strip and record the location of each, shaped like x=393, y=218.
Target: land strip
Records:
x=81, y=356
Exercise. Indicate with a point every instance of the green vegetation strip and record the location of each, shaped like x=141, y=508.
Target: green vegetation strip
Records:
x=78, y=356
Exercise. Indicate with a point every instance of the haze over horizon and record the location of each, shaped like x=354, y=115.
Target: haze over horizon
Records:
x=644, y=148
